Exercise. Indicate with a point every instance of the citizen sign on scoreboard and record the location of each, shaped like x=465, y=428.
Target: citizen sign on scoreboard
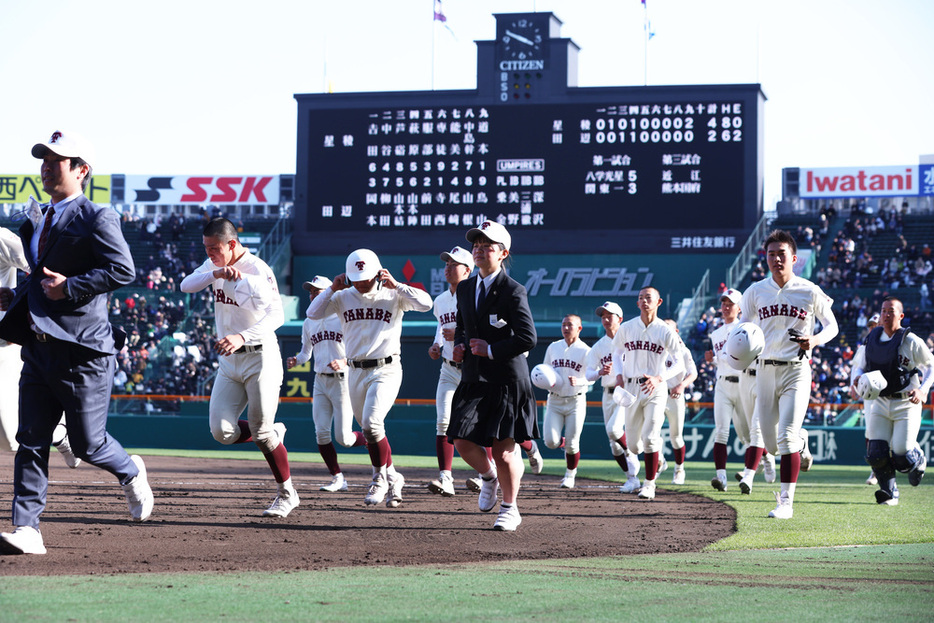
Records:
x=674, y=172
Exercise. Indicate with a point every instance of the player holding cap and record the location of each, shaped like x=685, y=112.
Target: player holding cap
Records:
x=871, y=323
x=331, y=401
x=247, y=312
x=786, y=307
x=674, y=409
x=641, y=347
x=893, y=419
x=494, y=405
x=369, y=303
x=566, y=406
x=600, y=364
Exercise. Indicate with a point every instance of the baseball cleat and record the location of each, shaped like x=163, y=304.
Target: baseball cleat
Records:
x=677, y=478
x=139, y=498
x=395, y=491
x=632, y=485
x=474, y=484
x=488, y=490
x=648, y=490
x=568, y=481
x=508, y=519
x=444, y=485
x=377, y=490
x=284, y=503
x=64, y=447
x=738, y=476
x=536, y=461
x=768, y=467
x=745, y=484
x=872, y=480
x=783, y=509
x=338, y=483
x=917, y=472
x=716, y=483
x=806, y=459
x=23, y=540
x=889, y=499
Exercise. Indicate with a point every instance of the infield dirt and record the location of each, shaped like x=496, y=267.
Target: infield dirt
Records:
x=207, y=518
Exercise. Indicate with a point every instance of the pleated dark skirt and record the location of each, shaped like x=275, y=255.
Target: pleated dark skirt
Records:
x=483, y=412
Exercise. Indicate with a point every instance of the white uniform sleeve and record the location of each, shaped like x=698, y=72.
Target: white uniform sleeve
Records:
x=198, y=280
x=439, y=336
x=305, y=354
x=321, y=306
x=858, y=365
x=273, y=317
x=11, y=253
x=413, y=299
x=923, y=359
x=824, y=314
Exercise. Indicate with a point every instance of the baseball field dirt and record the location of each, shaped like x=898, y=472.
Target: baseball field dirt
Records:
x=207, y=519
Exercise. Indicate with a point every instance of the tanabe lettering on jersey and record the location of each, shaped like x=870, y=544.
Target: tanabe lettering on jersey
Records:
x=566, y=363
x=448, y=318
x=782, y=310
x=321, y=336
x=220, y=297
x=658, y=349
x=368, y=313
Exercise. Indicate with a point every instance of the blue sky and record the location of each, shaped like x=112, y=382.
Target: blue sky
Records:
x=204, y=87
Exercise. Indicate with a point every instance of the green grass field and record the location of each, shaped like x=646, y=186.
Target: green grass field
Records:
x=841, y=558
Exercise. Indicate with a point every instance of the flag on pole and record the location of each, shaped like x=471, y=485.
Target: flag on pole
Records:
x=441, y=17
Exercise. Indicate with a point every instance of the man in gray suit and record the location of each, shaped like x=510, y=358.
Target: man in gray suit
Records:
x=77, y=255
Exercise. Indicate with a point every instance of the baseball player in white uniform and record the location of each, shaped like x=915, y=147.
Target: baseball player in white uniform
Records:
x=600, y=364
x=12, y=259
x=786, y=307
x=734, y=401
x=458, y=264
x=566, y=406
x=247, y=312
x=370, y=304
x=324, y=339
x=674, y=410
x=640, y=348
x=871, y=324
x=894, y=418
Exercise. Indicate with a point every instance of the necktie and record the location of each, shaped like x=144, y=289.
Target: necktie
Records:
x=482, y=295
x=44, y=236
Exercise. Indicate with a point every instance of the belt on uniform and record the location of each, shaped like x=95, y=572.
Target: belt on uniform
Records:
x=370, y=363
x=778, y=362
x=563, y=396
x=731, y=378
x=896, y=395
x=751, y=371
x=246, y=348
x=456, y=364
x=610, y=389
x=337, y=375
x=640, y=380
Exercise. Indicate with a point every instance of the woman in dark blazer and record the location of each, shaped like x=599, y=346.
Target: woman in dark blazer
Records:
x=494, y=405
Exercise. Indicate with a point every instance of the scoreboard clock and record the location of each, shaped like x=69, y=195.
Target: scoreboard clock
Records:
x=669, y=169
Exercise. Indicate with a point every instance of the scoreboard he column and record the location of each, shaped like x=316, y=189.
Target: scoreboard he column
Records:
x=568, y=169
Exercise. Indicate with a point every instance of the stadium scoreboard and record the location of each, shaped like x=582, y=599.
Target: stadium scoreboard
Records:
x=611, y=169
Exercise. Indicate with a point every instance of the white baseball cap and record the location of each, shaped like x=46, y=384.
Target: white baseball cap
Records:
x=492, y=230
x=318, y=283
x=746, y=342
x=66, y=144
x=734, y=295
x=362, y=265
x=870, y=384
x=545, y=377
x=623, y=397
x=459, y=255
x=611, y=307
x=874, y=319
x=252, y=292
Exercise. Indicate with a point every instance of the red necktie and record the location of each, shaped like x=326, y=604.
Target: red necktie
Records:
x=44, y=236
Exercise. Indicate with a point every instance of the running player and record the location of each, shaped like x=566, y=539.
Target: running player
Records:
x=786, y=307
x=566, y=407
x=674, y=410
x=369, y=303
x=331, y=400
x=247, y=312
x=894, y=418
x=641, y=347
x=600, y=364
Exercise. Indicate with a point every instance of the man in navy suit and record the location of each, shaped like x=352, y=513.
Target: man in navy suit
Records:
x=77, y=255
